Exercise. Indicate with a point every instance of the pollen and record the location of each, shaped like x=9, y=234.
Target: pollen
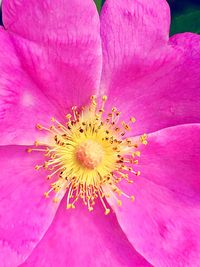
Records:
x=89, y=155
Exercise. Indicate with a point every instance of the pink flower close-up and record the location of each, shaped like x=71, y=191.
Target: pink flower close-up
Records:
x=100, y=136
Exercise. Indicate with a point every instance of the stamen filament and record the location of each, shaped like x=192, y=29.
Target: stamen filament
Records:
x=89, y=155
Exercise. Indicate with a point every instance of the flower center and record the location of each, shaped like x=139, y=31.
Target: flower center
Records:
x=89, y=155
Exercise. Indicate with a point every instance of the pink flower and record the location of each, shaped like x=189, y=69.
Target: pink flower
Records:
x=55, y=55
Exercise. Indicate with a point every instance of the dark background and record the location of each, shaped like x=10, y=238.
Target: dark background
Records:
x=185, y=15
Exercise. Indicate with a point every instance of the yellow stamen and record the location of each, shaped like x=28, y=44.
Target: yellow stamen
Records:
x=90, y=155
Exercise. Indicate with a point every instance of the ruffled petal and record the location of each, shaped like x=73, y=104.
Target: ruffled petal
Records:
x=22, y=104
x=159, y=86
x=163, y=224
x=58, y=43
x=79, y=238
x=25, y=214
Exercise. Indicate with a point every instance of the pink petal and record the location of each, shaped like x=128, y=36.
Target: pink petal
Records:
x=131, y=30
x=157, y=84
x=59, y=46
x=163, y=224
x=79, y=238
x=25, y=214
x=22, y=104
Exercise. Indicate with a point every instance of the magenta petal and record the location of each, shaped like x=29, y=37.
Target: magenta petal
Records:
x=80, y=238
x=25, y=214
x=22, y=104
x=159, y=86
x=131, y=31
x=163, y=224
x=59, y=45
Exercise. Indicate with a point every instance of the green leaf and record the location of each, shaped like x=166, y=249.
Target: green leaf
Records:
x=98, y=4
x=189, y=21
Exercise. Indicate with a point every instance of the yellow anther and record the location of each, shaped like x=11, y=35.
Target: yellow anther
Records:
x=114, y=109
x=37, y=167
x=46, y=194
x=107, y=211
x=68, y=116
x=36, y=143
x=56, y=200
x=119, y=202
x=137, y=153
x=45, y=165
x=39, y=126
x=104, y=97
x=52, y=127
x=132, y=198
x=143, y=139
x=93, y=97
x=128, y=140
x=132, y=119
x=90, y=208
x=126, y=126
